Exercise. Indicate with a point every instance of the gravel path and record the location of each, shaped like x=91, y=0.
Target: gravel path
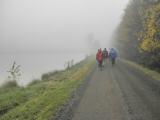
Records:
x=119, y=93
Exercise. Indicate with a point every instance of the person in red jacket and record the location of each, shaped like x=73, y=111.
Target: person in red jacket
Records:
x=99, y=58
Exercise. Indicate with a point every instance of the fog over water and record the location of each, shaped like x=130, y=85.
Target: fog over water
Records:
x=50, y=32
x=33, y=65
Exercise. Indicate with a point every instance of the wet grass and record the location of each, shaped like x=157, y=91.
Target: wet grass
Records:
x=147, y=71
x=41, y=99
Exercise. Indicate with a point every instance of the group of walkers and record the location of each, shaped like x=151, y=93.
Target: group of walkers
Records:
x=103, y=55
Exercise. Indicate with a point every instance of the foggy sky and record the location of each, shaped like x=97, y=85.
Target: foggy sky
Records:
x=52, y=25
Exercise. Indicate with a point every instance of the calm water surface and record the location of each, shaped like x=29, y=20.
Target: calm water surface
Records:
x=33, y=65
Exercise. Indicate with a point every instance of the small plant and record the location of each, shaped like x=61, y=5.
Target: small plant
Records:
x=72, y=63
x=14, y=72
x=69, y=64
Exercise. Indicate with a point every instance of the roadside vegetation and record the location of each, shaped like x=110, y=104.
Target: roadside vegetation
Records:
x=155, y=75
x=41, y=99
x=138, y=34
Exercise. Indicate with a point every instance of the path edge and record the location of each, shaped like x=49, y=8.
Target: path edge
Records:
x=66, y=112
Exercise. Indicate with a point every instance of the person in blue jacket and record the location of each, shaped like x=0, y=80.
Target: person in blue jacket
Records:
x=113, y=55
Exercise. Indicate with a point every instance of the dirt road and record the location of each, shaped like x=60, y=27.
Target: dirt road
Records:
x=120, y=93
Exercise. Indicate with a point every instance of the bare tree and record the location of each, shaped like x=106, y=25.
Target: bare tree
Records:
x=14, y=72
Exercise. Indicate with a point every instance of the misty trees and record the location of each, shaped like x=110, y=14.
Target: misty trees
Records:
x=150, y=36
x=128, y=30
x=92, y=44
x=139, y=32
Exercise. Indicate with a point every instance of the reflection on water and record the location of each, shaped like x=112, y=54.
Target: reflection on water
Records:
x=35, y=64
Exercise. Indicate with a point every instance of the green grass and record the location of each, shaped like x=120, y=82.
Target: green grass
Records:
x=41, y=99
x=153, y=74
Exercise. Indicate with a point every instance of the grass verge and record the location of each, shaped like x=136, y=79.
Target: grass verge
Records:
x=153, y=74
x=41, y=100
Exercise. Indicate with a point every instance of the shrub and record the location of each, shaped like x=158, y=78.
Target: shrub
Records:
x=35, y=81
x=10, y=84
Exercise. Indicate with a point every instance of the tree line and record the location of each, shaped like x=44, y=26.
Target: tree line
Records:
x=138, y=34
